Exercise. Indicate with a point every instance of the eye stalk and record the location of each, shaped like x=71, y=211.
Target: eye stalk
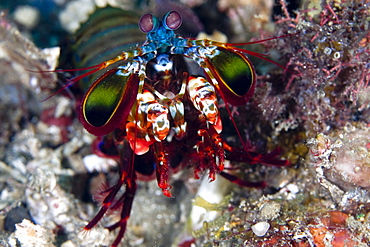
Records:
x=172, y=20
x=148, y=23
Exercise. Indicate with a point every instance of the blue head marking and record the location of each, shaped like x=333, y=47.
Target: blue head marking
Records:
x=160, y=32
x=161, y=35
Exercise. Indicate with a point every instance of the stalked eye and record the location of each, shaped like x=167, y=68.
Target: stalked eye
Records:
x=172, y=20
x=148, y=23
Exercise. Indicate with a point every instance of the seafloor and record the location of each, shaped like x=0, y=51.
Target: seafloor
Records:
x=316, y=112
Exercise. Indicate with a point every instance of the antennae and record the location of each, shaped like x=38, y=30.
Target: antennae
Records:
x=262, y=40
x=237, y=130
x=219, y=91
x=95, y=68
x=74, y=79
x=63, y=70
x=262, y=56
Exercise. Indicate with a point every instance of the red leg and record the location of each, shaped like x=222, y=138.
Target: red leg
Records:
x=210, y=153
x=110, y=202
x=271, y=159
x=162, y=169
x=126, y=200
x=242, y=182
x=239, y=155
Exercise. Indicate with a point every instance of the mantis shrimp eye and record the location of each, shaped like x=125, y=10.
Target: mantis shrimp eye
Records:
x=172, y=20
x=148, y=23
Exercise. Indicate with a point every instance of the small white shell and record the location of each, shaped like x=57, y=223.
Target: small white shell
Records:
x=260, y=228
